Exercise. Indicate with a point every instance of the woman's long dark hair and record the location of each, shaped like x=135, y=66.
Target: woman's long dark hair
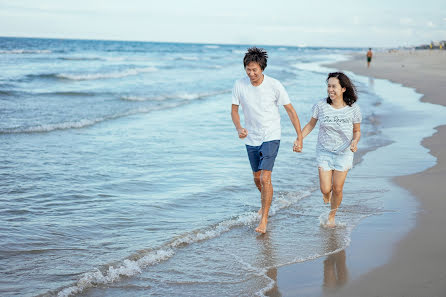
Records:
x=349, y=95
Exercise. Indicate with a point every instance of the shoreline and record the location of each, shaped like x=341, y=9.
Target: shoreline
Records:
x=403, y=260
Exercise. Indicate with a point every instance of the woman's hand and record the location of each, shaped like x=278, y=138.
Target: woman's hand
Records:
x=354, y=146
x=297, y=147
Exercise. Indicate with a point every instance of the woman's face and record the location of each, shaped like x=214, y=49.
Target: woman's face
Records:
x=334, y=89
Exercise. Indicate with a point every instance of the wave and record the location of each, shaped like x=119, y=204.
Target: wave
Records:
x=134, y=264
x=6, y=93
x=116, y=74
x=186, y=58
x=81, y=59
x=94, y=76
x=25, y=51
x=212, y=46
x=184, y=96
x=69, y=93
x=91, y=58
x=82, y=123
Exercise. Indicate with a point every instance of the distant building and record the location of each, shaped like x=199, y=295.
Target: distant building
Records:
x=433, y=45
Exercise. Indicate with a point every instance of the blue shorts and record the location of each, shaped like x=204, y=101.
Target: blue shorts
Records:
x=262, y=157
x=327, y=160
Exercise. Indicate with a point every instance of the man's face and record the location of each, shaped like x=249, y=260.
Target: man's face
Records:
x=254, y=72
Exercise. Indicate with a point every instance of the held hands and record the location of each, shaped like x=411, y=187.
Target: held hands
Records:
x=242, y=132
x=297, y=147
x=354, y=146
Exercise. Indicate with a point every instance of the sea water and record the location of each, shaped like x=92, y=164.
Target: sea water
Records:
x=122, y=173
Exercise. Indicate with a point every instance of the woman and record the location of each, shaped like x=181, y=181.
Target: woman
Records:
x=339, y=133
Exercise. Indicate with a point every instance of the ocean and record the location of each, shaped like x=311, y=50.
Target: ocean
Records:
x=122, y=173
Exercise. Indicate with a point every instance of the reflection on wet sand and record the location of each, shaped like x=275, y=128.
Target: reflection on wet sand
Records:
x=335, y=268
x=335, y=272
x=268, y=261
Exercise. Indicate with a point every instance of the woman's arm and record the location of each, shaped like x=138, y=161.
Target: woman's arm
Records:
x=309, y=127
x=356, y=137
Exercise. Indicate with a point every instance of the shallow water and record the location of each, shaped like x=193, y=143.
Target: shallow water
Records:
x=122, y=174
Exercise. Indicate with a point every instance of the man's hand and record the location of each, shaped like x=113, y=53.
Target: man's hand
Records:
x=354, y=146
x=242, y=132
x=297, y=147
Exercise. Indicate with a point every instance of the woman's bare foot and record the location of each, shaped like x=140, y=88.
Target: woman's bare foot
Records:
x=262, y=226
x=331, y=218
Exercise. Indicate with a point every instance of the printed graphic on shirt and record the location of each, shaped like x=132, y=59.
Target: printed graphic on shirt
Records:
x=335, y=125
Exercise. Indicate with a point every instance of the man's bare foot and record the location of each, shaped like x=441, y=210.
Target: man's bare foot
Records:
x=262, y=227
x=327, y=198
x=331, y=219
x=260, y=211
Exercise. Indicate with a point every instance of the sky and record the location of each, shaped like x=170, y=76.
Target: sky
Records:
x=341, y=23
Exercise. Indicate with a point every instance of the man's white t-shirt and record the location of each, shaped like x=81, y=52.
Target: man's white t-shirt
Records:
x=260, y=106
x=336, y=125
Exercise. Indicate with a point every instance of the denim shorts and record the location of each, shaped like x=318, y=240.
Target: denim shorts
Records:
x=262, y=157
x=327, y=160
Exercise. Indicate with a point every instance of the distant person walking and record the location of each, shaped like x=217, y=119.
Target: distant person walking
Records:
x=260, y=97
x=339, y=133
x=369, y=57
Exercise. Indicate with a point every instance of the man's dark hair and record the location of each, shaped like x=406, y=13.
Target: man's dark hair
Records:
x=258, y=55
x=350, y=95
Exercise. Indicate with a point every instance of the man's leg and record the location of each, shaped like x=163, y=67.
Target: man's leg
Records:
x=336, y=199
x=258, y=185
x=267, y=197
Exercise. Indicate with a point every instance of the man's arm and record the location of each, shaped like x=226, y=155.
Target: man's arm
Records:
x=296, y=123
x=242, y=132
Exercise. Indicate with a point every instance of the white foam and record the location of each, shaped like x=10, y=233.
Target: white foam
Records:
x=127, y=269
x=130, y=268
x=84, y=122
x=323, y=221
x=185, y=96
x=211, y=46
x=25, y=51
x=284, y=201
x=191, y=58
x=215, y=231
x=116, y=74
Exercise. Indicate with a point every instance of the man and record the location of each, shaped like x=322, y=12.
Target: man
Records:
x=369, y=57
x=260, y=97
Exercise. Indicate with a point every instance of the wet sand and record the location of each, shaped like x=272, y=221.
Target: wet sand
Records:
x=417, y=263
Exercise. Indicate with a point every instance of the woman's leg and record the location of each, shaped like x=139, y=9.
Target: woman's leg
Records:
x=325, y=182
x=336, y=199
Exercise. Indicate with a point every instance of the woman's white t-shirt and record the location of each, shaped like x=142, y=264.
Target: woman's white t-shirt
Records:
x=260, y=106
x=335, y=125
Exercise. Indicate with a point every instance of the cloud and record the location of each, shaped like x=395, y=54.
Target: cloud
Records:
x=430, y=24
